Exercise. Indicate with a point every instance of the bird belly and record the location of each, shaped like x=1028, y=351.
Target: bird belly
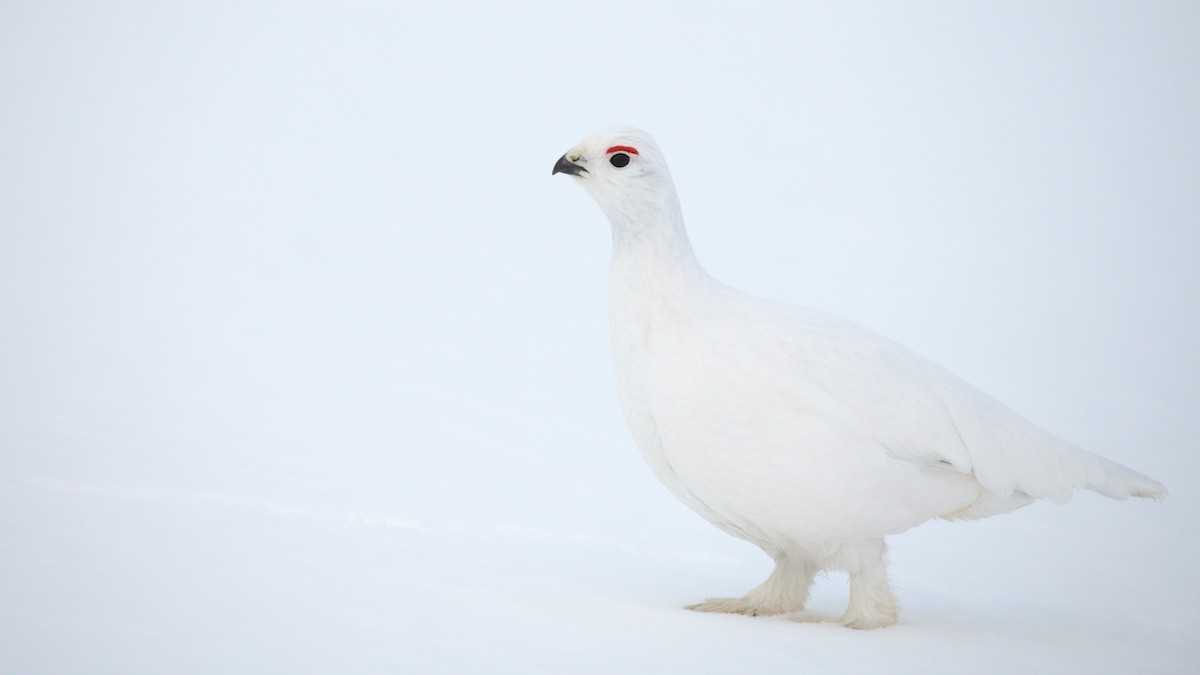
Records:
x=784, y=473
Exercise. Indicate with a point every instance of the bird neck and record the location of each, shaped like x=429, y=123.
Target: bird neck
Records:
x=651, y=233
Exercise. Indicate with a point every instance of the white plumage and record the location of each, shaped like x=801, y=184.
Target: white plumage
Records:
x=803, y=433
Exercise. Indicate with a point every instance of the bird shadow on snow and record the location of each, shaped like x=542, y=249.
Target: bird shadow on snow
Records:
x=940, y=635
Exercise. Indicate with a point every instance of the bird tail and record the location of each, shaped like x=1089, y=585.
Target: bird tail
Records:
x=1121, y=482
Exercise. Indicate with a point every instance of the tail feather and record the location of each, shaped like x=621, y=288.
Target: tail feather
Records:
x=1121, y=482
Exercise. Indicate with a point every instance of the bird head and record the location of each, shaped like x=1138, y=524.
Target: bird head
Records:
x=623, y=170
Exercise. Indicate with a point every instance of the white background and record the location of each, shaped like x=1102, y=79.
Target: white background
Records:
x=304, y=358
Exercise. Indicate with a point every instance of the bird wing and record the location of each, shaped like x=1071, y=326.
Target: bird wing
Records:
x=921, y=413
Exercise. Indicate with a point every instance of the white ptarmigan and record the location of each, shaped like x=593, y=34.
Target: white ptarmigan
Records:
x=805, y=434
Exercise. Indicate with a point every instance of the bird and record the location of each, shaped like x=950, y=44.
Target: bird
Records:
x=803, y=433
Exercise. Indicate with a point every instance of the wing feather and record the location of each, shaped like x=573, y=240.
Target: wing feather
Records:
x=921, y=413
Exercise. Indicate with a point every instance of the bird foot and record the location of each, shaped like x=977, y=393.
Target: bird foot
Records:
x=868, y=621
x=736, y=606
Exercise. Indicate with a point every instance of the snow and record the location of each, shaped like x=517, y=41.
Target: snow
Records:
x=304, y=360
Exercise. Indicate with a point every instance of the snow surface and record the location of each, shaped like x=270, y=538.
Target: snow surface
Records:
x=304, y=359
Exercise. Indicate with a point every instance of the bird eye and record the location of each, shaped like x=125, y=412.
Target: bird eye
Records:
x=619, y=160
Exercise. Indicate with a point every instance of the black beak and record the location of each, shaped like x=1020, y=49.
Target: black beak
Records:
x=563, y=166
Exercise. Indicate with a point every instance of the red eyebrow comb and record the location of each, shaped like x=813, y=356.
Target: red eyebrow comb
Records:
x=622, y=148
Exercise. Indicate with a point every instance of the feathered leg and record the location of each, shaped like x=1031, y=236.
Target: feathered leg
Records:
x=872, y=604
x=785, y=591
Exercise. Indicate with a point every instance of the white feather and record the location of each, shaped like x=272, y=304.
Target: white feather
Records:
x=806, y=434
